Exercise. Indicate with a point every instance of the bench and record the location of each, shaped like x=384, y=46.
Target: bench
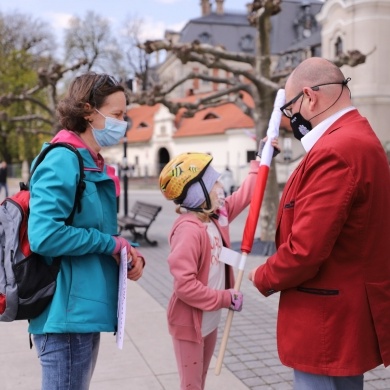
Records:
x=141, y=217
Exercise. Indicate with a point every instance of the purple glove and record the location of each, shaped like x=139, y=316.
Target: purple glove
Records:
x=237, y=299
x=120, y=243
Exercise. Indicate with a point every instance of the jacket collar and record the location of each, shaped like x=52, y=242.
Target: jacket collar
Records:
x=315, y=134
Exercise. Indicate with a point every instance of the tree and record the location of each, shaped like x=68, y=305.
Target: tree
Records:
x=24, y=44
x=254, y=79
x=91, y=39
x=30, y=77
x=138, y=60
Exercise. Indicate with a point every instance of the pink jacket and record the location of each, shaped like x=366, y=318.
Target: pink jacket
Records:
x=189, y=263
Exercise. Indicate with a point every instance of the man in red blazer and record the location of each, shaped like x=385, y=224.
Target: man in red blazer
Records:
x=332, y=264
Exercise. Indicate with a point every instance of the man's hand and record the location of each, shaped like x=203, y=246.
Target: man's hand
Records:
x=251, y=275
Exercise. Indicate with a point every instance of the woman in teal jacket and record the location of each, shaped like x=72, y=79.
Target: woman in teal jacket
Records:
x=67, y=333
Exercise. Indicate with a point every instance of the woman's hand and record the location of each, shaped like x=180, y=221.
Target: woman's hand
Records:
x=137, y=265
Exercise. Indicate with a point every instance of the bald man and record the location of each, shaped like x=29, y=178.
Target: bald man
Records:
x=332, y=264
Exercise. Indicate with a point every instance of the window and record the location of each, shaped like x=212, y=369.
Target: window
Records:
x=210, y=115
x=338, y=47
x=247, y=43
x=205, y=73
x=205, y=37
x=250, y=155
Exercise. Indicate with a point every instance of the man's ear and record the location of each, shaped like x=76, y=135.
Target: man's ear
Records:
x=311, y=96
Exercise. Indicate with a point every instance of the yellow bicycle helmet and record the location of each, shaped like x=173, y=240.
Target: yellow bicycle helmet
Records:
x=182, y=171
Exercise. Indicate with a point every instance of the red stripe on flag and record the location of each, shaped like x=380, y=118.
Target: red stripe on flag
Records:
x=254, y=209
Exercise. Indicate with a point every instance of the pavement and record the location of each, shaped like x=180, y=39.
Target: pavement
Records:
x=146, y=361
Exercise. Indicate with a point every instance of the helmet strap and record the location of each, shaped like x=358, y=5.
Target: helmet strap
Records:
x=208, y=202
x=206, y=194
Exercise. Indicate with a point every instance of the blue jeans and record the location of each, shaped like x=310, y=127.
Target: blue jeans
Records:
x=306, y=381
x=67, y=359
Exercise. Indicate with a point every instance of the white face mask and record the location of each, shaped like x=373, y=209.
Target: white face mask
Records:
x=114, y=130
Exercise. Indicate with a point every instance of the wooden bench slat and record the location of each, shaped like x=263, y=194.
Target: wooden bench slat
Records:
x=142, y=216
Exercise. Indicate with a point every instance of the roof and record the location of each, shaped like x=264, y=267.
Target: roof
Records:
x=142, y=118
x=230, y=30
x=210, y=121
x=214, y=120
x=230, y=18
x=285, y=30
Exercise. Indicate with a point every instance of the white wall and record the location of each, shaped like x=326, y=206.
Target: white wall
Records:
x=363, y=25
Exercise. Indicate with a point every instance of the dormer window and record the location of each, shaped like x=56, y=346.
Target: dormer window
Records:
x=210, y=115
x=205, y=37
x=247, y=43
x=142, y=125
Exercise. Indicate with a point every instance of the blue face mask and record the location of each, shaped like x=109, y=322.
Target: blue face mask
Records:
x=114, y=130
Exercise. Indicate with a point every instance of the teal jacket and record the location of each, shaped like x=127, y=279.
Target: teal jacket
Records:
x=87, y=285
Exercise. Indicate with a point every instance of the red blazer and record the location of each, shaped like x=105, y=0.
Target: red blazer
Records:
x=332, y=263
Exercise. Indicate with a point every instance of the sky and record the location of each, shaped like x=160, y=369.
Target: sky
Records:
x=157, y=15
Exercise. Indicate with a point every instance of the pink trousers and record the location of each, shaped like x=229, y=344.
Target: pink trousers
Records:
x=193, y=360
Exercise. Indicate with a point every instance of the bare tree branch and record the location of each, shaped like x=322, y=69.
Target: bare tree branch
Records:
x=47, y=77
x=352, y=58
x=30, y=118
x=211, y=100
x=181, y=50
x=195, y=75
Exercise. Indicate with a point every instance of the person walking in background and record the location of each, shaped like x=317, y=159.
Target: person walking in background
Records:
x=203, y=284
x=227, y=181
x=3, y=177
x=332, y=263
x=66, y=335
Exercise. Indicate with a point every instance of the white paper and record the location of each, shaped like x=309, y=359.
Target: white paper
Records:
x=122, y=290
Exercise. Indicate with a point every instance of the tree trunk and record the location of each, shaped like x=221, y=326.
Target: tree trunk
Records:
x=265, y=108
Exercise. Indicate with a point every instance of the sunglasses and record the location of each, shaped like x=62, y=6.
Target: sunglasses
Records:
x=104, y=79
x=288, y=111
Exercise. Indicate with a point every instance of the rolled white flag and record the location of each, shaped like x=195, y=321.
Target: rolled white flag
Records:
x=233, y=258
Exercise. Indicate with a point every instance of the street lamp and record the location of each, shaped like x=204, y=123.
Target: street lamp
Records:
x=125, y=167
x=287, y=149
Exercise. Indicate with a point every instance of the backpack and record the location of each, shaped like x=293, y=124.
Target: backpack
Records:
x=27, y=282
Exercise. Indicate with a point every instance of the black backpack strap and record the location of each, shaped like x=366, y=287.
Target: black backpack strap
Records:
x=80, y=185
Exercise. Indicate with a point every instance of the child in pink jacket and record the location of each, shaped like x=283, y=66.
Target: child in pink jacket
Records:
x=202, y=283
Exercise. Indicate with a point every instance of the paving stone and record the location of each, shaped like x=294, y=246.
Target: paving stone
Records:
x=252, y=340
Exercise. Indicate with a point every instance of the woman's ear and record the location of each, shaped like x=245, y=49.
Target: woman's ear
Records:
x=89, y=110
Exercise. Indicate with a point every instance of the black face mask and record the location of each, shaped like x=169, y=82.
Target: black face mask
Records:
x=302, y=126
x=299, y=125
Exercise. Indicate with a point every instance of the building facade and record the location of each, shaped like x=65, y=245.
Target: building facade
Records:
x=304, y=28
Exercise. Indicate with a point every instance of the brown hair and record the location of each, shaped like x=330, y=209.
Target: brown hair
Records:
x=89, y=88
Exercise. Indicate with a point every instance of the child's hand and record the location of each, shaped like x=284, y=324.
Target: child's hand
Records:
x=237, y=300
x=274, y=143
